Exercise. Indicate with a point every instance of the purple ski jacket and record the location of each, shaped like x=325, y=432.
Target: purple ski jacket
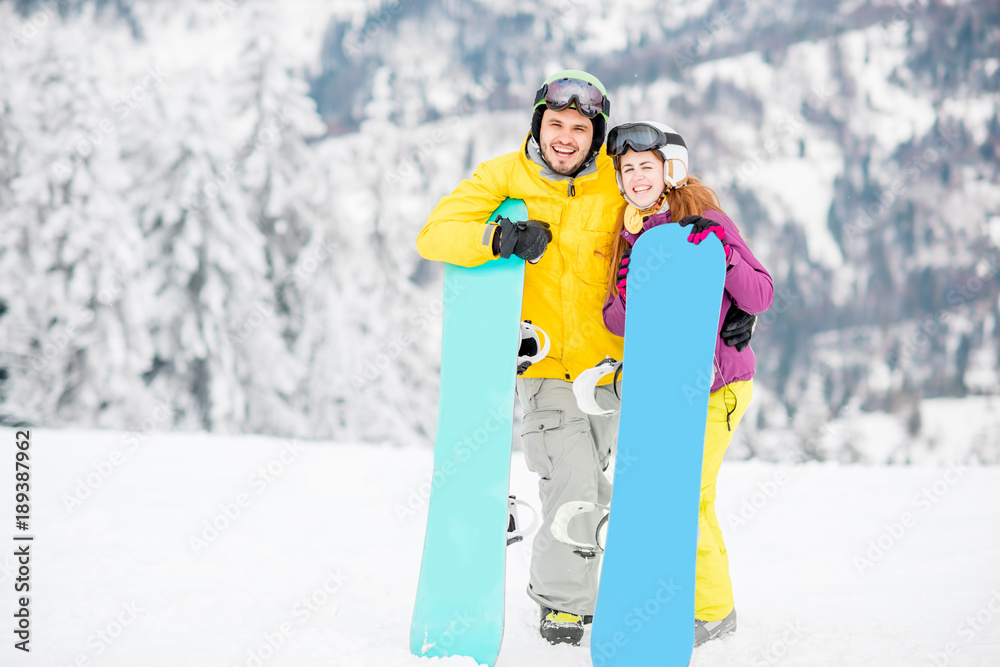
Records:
x=748, y=285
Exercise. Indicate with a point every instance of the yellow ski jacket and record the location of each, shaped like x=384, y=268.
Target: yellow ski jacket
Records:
x=564, y=292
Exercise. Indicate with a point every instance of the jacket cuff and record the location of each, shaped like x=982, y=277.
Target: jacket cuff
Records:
x=485, y=236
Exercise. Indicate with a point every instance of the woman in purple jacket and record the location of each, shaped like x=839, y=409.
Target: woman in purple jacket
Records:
x=651, y=164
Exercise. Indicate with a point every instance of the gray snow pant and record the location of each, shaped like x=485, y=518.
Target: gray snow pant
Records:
x=569, y=450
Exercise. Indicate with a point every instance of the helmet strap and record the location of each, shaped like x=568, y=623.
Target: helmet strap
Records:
x=636, y=217
x=657, y=205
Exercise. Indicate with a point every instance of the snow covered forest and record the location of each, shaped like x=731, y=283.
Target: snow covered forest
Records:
x=208, y=208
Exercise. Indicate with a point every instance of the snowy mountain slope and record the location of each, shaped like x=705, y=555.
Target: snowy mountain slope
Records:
x=855, y=144
x=172, y=213
x=155, y=549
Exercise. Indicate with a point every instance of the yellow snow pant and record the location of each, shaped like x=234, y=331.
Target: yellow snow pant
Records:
x=713, y=593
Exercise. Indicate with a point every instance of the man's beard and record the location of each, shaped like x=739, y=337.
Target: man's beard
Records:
x=547, y=153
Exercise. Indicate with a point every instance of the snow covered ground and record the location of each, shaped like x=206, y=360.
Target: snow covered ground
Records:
x=165, y=550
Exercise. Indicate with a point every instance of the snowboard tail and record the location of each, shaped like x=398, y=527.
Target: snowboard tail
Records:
x=645, y=603
x=459, y=607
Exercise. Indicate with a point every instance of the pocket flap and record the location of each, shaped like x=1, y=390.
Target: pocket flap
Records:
x=541, y=420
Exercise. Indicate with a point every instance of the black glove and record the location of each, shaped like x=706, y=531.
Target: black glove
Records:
x=738, y=327
x=526, y=239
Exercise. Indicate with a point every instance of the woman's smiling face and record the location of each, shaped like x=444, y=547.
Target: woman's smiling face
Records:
x=642, y=176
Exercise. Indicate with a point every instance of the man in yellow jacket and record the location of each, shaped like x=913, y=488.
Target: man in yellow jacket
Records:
x=568, y=184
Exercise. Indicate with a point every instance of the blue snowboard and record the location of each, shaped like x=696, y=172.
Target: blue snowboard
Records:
x=645, y=603
x=460, y=595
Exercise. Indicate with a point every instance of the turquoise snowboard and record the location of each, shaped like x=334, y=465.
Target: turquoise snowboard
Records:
x=460, y=595
x=645, y=603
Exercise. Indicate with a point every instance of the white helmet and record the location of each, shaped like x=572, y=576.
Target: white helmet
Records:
x=648, y=135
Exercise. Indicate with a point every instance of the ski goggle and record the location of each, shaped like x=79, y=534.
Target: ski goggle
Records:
x=561, y=93
x=639, y=137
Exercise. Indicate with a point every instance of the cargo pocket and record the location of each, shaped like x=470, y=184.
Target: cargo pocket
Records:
x=538, y=441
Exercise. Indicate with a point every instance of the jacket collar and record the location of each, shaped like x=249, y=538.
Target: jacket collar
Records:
x=635, y=218
x=534, y=153
x=661, y=218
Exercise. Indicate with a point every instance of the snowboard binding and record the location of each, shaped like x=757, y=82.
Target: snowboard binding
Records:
x=566, y=513
x=585, y=385
x=514, y=532
x=531, y=350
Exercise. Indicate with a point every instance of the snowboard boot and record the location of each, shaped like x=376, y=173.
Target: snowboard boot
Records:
x=560, y=627
x=708, y=630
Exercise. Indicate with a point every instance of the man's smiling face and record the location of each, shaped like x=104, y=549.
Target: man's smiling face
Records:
x=565, y=138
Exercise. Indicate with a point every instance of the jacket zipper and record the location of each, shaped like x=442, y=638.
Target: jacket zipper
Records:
x=571, y=190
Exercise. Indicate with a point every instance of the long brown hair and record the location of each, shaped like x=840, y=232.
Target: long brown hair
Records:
x=694, y=198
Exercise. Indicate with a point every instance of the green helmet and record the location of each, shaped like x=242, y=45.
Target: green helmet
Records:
x=573, y=87
x=579, y=90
